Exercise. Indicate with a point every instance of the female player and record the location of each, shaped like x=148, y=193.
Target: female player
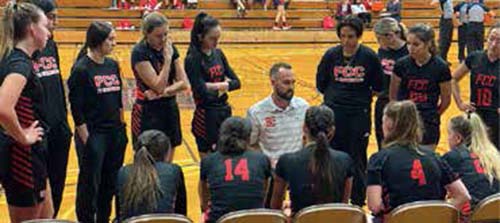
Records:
x=160, y=76
x=473, y=157
x=24, y=31
x=324, y=174
x=424, y=78
x=484, y=67
x=235, y=176
x=348, y=75
x=211, y=78
x=391, y=38
x=403, y=171
x=151, y=184
x=95, y=94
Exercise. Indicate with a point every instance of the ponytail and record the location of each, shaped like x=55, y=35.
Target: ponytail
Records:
x=7, y=27
x=402, y=31
x=83, y=51
x=327, y=184
x=234, y=136
x=16, y=18
x=97, y=33
x=488, y=155
x=426, y=34
x=203, y=23
x=142, y=189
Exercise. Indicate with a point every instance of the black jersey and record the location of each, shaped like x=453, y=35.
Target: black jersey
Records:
x=143, y=52
x=202, y=69
x=46, y=66
x=294, y=169
x=349, y=82
x=484, y=81
x=95, y=94
x=421, y=83
x=467, y=165
x=173, y=191
x=388, y=58
x=29, y=106
x=235, y=182
x=407, y=175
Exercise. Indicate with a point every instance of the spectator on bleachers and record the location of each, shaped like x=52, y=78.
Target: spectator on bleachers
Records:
x=393, y=8
x=152, y=184
x=343, y=10
x=368, y=4
x=475, y=31
x=359, y=10
x=316, y=174
x=280, y=18
x=473, y=157
x=235, y=177
x=461, y=13
x=404, y=172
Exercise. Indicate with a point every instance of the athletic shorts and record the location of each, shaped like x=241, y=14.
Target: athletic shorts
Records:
x=205, y=126
x=431, y=132
x=162, y=115
x=26, y=180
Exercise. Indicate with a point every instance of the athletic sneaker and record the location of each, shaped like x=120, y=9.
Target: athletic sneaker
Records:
x=276, y=26
x=286, y=26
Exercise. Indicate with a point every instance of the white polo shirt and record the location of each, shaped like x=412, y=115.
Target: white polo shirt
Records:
x=277, y=131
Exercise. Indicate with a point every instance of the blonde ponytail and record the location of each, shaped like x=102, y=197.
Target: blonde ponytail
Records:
x=488, y=155
x=7, y=27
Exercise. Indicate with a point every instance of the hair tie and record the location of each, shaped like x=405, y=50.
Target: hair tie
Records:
x=469, y=112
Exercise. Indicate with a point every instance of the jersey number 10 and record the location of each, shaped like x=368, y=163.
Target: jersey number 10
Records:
x=241, y=170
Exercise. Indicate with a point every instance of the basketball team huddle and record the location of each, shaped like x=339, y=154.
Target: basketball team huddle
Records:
x=317, y=154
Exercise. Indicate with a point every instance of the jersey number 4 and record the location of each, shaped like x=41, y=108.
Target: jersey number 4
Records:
x=417, y=173
x=241, y=170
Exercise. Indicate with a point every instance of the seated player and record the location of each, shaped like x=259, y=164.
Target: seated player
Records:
x=403, y=171
x=234, y=176
x=151, y=184
x=316, y=174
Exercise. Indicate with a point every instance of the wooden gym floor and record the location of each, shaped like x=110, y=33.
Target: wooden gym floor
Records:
x=251, y=63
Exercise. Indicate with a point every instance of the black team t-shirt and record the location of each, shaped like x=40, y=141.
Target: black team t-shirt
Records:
x=420, y=84
x=407, y=175
x=95, y=94
x=143, y=52
x=467, y=165
x=29, y=106
x=349, y=82
x=46, y=66
x=484, y=86
x=235, y=182
x=388, y=58
x=294, y=169
x=202, y=69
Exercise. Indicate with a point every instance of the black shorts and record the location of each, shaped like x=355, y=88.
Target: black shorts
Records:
x=162, y=115
x=26, y=180
x=205, y=126
x=431, y=132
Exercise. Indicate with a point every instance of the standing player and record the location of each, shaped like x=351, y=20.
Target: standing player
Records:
x=445, y=26
x=59, y=137
x=95, y=94
x=463, y=21
x=475, y=30
x=347, y=76
x=152, y=184
x=211, y=78
x=404, y=172
x=391, y=38
x=423, y=78
x=235, y=176
x=473, y=157
x=24, y=31
x=160, y=76
x=484, y=67
x=322, y=174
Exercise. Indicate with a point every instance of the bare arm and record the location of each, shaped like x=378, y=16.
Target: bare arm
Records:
x=374, y=198
x=10, y=91
x=347, y=190
x=457, y=76
x=278, y=192
x=445, y=96
x=458, y=193
x=394, y=87
x=204, y=194
x=145, y=71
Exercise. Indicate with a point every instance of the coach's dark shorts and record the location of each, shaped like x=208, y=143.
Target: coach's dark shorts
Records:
x=162, y=115
x=205, y=125
x=26, y=180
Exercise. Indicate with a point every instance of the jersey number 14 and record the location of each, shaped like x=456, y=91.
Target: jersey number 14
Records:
x=240, y=170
